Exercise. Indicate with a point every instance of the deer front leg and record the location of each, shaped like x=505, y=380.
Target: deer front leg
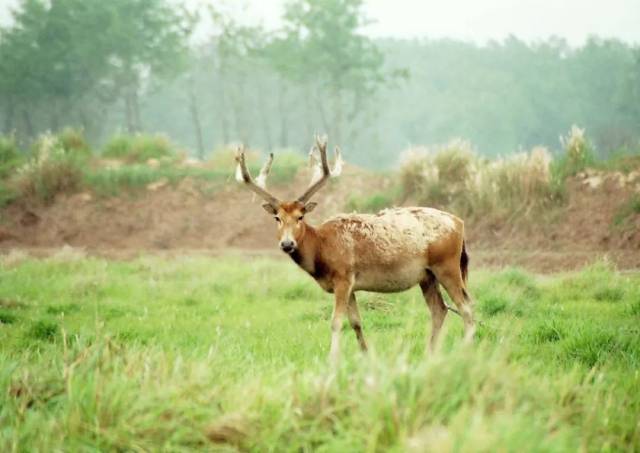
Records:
x=342, y=291
x=356, y=324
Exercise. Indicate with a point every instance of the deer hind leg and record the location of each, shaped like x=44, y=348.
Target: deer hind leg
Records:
x=354, y=320
x=450, y=276
x=438, y=309
x=342, y=292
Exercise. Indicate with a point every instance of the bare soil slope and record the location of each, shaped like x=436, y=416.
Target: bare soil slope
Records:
x=186, y=218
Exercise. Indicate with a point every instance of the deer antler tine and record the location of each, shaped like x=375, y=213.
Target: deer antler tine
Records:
x=261, y=180
x=243, y=175
x=321, y=171
x=239, y=163
x=321, y=142
x=338, y=164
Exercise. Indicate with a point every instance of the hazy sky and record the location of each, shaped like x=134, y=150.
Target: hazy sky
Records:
x=477, y=20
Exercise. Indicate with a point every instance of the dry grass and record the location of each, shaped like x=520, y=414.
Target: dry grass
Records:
x=52, y=170
x=455, y=177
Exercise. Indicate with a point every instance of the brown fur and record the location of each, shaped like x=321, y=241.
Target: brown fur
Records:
x=386, y=252
x=391, y=251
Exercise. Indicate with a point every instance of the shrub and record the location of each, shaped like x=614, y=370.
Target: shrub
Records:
x=10, y=155
x=51, y=171
x=112, y=181
x=438, y=176
x=73, y=141
x=287, y=163
x=372, y=203
x=454, y=176
x=225, y=158
x=578, y=154
x=138, y=148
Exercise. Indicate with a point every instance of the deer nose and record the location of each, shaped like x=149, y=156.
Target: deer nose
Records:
x=287, y=246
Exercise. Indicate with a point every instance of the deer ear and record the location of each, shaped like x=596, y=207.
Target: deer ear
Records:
x=310, y=206
x=269, y=208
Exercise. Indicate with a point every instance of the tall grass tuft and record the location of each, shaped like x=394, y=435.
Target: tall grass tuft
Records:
x=52, y=170
x=578, y=154
x=456, y=177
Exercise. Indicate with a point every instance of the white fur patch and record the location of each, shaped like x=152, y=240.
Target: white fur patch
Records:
x=398, y=229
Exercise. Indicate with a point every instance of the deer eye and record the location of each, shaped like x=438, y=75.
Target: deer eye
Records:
x=300, y=218
x=277, y=219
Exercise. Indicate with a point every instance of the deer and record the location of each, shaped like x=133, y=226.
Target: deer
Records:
x=388, y=252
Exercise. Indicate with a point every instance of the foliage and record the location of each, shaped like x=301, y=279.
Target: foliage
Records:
x=578, y=154
x=153, y=353
x=324, y=40
x=51, y=171
x=138, y=148
x=10, y=155
x=73, y=140
x=56, y=65
x=287, y=163
x=319, y=72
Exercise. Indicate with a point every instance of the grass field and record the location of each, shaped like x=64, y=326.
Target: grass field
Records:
x=229, y=354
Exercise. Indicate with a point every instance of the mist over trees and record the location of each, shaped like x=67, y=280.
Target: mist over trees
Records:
x=127, y=66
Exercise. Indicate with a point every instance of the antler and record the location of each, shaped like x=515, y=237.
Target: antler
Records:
x=258, y=187
x=321, y=171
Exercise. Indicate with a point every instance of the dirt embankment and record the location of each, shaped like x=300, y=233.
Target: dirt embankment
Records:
x=187, y=218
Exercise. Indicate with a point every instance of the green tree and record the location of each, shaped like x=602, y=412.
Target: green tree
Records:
x=60, y=56
x=322, y=41
x=147, y=38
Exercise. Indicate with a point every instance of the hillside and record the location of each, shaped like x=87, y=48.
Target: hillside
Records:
x=186, y=216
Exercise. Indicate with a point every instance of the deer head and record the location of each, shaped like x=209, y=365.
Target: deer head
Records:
x=289, y=215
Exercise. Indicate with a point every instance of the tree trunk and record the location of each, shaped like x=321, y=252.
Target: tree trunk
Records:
x=28, y=123
x=8, y=119
x=308, y=113
x=323, y=114
x=284, y=137
x=195, y=117
x=129, y=113
x=336, y=131
x=264, y=117
x=54, y=118
x=135, y=100
x=224, y=124
x=240, y=120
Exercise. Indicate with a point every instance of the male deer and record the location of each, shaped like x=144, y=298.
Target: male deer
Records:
x=387, y=252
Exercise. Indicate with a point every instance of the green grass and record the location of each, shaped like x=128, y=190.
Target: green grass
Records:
x=371, y=203
x=195, y=353
x=138, y=148
x=128, y=178
x=114, y=181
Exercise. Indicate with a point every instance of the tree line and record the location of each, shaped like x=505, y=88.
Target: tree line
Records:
x=128, y=66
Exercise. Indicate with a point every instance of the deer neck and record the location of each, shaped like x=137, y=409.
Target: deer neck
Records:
x=306, y=255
